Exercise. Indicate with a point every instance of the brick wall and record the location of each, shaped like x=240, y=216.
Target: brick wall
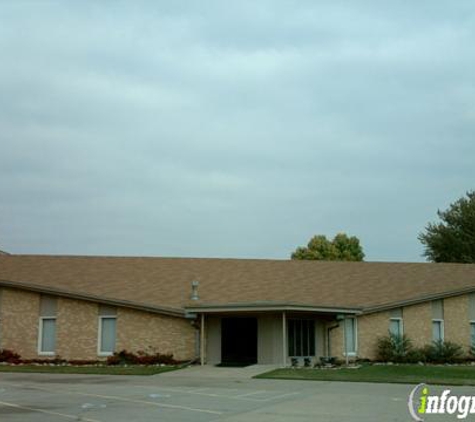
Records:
x=370, y=328
x=418, y=323
x=19, y=319
x=456, y=321
x=336, y=339
x=76, y=329
x=141, y=331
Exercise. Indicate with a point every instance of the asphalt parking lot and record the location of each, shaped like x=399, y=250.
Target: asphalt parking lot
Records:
x=198, y=395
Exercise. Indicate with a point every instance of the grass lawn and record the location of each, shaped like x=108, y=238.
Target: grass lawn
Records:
x=95, y=370
x=406, y=374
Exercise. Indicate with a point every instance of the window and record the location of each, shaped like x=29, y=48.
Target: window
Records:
x=47, y=336
x=472, y=333
x=301, y=337
x=47, y=326
x=107, y=330
x=350, y=336
x=395, y=322
x=437, y=330
x=395, y=327
x=438, y=320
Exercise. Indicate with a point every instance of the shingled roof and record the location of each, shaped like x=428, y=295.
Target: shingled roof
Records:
x=166, y=282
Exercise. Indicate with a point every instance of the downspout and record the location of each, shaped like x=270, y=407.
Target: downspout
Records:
x=329, y=330
x=284, y=339
x=202, y=340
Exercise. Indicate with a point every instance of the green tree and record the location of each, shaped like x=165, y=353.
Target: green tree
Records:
x=341, y=248
x=452, y=239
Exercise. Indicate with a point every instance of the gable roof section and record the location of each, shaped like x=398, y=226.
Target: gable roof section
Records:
x=166, y=282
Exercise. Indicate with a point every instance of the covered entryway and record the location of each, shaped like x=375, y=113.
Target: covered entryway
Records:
x=238, y=341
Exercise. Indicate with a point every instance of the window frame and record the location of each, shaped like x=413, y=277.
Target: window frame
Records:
x=401, y=324
x=40, y=336
x=472, y=337
x=355, y=334
x=442, y=329
x=99, y=337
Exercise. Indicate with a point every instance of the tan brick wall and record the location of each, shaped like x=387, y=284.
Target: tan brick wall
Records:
x=418, y=323
x=370, y=328
x=456, y=321
x=76, y=329
x=20, y=318
x=138, y=330
x=336, y=339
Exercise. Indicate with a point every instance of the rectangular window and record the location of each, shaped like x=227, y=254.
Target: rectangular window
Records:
x=437, y=330
x=395, y=327
x=301, y=337
x=350, y=336
x=438, y=320
x=47, y=336
x=395, y=322
x=107, y=332
x=47, y=326
x=471, y=306
x=472, y=334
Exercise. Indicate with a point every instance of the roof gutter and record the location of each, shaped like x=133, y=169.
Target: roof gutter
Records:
x=276, y=307
x=416, y=301
x=176, y=312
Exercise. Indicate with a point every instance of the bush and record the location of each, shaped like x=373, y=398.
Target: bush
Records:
x=140, y=358
x=9, y=356
x=393, y=348
x=443, y=352
x=398, y=349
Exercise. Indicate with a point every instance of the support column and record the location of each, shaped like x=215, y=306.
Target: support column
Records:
x=345, y=337
x=202, y=340
x=284, y=339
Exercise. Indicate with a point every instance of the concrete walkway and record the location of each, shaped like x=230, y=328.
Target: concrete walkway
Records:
x=211, y=371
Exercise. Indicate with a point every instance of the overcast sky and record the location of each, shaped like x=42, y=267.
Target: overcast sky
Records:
x=232, y=129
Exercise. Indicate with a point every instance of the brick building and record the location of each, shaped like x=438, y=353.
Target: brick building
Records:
x=228, y=310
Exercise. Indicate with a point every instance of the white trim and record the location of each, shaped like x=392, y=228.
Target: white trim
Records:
x=40, y=336
x=355, y=353
x=442, y=328
x=262, y=308
x=99, y=335
x=401, y=320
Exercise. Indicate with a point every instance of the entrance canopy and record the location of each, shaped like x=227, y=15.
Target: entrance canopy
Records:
x=248, y=333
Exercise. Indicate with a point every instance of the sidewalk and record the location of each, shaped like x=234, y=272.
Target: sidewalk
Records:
x=211, y=371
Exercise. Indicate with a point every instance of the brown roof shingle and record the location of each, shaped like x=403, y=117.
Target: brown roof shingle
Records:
x=167, y=281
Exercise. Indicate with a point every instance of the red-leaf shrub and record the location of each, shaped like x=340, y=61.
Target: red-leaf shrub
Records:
x=140, y=358
x=9, y=356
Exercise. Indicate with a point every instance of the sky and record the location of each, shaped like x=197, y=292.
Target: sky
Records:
x=232, y=129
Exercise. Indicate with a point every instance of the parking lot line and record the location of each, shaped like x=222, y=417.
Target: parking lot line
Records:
x=246, y=396
x=124, y=399
x=47, y=412
x=282, y=396
x=250, y=394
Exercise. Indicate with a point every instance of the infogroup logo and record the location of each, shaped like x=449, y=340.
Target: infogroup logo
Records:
x=422, y=403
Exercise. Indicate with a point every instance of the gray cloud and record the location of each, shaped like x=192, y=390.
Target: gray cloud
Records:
x=211, y=129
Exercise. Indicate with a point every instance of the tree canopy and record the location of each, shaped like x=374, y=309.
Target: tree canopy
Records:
x=341, y=248
x=453, y=238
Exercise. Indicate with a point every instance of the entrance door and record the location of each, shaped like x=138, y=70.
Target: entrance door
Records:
x=238, y=341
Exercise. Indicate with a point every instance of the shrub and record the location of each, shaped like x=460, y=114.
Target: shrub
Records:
x=140, y=358
x=443, y=352
x=9, y=356
x=394, y=348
